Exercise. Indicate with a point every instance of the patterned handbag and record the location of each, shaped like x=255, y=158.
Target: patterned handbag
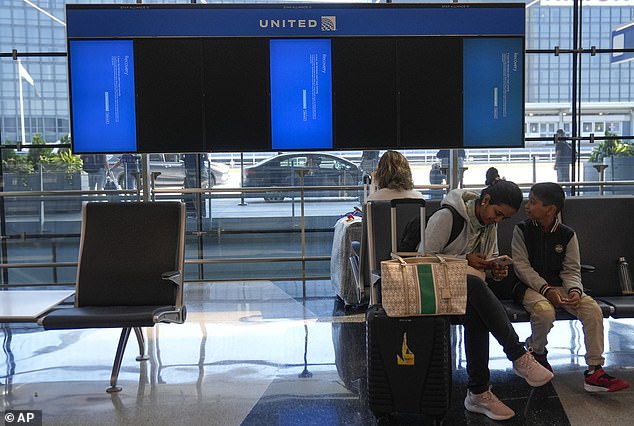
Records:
x=432, y=285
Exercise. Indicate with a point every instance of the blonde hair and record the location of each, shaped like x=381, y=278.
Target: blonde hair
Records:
x=393, y=172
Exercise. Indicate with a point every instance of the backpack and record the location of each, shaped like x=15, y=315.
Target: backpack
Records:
x=411, y=233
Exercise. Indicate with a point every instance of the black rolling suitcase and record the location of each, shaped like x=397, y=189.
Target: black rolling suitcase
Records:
x=409, y=359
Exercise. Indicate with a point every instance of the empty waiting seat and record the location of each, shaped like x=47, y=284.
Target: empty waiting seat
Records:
x=130, y=272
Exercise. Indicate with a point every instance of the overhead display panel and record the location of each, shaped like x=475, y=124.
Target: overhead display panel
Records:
x=301, y=93
x=103, y=95
x=283, y=77
x=493, y=82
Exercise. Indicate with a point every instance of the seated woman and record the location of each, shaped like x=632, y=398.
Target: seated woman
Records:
x=393, y=178
x=478, y=244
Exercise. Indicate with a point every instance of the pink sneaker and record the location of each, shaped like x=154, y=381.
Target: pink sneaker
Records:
x=543, y=360
x=530, y=370
x=488, y=404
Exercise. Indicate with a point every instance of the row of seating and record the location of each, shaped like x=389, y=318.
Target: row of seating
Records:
x=120, y=286
x=605, y=230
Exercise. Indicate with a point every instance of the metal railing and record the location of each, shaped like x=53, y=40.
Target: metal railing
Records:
x=197, y=256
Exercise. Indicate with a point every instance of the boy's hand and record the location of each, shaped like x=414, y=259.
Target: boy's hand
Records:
x=573, y=300
x=555, y=298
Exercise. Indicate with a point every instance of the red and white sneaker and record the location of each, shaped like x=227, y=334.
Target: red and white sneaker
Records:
x=600, y=381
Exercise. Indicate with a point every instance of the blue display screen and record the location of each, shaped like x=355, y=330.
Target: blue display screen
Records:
x=103, y=97
x=493, y=83
x=301, y=94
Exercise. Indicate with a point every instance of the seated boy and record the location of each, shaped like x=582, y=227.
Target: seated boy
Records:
x=546, y=258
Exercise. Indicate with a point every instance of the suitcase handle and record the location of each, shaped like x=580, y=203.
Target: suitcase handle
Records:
x=393, y=227
x=368, y=218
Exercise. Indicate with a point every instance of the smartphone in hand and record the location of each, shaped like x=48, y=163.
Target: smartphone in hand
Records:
x=503, y=260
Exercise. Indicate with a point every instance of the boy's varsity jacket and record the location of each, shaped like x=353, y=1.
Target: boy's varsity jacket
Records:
x=547, y=259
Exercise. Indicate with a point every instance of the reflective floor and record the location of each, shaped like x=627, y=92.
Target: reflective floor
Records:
x=263, y=353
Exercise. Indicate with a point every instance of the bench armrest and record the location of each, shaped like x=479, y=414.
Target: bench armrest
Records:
x=174, y=276
x=587, y=268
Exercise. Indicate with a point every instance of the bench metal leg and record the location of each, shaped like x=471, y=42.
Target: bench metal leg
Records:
x=123, y=341
x=141, y=341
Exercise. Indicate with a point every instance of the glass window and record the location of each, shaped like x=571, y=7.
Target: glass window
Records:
x=614, y=126
x=605, y=102
x=326, y=163
x=567, y=128
x=534, y=127
x=599, y=127
x=10, y=125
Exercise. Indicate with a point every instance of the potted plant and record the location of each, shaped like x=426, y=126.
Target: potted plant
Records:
x=42, y=168
x=618, y=156
x=16, y=170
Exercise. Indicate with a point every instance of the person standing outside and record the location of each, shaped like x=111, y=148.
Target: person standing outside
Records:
x=444, y=156
x=369, y=161
x=436, y=178
x=131, y=169
x=96, y=166
x=563, y=156
x=195, y=169
x=546, y=259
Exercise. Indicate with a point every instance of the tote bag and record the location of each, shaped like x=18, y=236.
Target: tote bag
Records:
x=431, y=285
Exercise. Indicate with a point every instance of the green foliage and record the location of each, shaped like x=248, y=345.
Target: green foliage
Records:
x=611, y=148
x=39, y=155
x=25, y=163
x=63, y=161
x=13, y=162
x=65, y=139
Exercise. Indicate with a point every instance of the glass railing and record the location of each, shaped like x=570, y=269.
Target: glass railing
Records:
x=232, y=233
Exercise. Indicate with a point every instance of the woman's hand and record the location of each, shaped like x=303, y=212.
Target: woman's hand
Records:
x=477, y=261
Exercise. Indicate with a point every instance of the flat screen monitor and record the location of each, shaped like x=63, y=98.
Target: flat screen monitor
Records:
x=261, y=77
x=301, y=94
x=103, y=96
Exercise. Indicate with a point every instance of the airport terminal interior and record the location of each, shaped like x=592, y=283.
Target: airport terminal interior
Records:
x=278, y=353
x=268, y=339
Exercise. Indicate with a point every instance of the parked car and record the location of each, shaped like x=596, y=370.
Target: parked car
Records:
x=318, y=169
x=172, y=171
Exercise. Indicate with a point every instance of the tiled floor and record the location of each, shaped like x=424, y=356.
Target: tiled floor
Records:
x=262, y=353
